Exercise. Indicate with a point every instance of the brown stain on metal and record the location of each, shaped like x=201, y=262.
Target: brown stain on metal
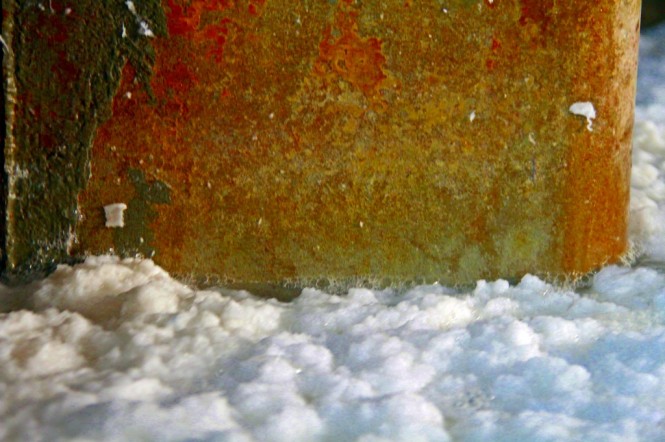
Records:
x=159, y=123
x=536, y=17
x=536, y=11
x=356, y=59
x=340, y=141
x=184, y=19
x=596, y=220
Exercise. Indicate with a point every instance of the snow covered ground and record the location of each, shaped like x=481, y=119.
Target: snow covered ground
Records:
x=118, y=351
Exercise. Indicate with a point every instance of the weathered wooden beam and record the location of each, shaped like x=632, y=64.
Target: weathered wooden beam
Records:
x=270, y=141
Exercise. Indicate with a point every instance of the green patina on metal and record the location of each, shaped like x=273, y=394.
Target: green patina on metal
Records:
x=61, y=73
x=136, y=237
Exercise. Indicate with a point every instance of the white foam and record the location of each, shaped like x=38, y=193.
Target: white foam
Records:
x=584, y=109
x=120, y=341
x=115, y=214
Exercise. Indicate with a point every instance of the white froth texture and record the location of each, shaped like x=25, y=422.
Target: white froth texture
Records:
x=117, y=350
x=584, y=109
x=115, y=214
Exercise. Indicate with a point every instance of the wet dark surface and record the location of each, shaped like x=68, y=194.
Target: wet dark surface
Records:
x=653, y=12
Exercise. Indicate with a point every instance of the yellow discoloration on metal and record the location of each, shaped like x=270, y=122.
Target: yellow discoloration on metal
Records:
x=377, y=141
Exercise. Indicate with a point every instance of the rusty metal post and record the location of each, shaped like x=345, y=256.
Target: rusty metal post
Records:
x=264, y=142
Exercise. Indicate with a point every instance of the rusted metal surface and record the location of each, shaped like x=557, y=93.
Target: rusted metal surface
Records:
x=61, y=69
x=332, y=142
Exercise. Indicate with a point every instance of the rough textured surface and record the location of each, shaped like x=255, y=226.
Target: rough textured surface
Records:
x=115, y=350
x=61, y=73
x=338, y=142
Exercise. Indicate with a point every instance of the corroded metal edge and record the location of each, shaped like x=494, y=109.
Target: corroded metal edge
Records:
x=592, y=241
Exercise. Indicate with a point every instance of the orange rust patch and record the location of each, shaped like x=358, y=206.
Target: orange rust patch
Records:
x=357, y=60
x=537, y=11
x=343, y=140
x=184, y=20
x=256, y=6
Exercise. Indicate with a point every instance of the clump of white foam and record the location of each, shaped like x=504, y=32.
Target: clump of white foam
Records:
x=647, y=200
x=115, y=214
x=584, y=109
x=118, y=350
